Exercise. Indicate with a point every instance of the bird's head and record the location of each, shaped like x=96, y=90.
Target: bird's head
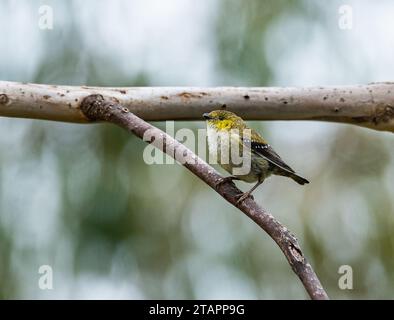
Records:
x=223, y=120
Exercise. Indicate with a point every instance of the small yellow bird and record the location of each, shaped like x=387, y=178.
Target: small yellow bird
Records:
x=227, y=132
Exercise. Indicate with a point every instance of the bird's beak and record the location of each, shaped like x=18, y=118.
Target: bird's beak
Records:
x=206, y=116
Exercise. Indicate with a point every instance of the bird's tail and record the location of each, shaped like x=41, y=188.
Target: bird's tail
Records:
x=298, y=179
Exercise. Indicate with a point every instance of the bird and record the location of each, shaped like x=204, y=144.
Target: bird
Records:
x=226, y=132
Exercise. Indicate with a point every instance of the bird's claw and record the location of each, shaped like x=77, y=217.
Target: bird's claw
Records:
x=241, y=197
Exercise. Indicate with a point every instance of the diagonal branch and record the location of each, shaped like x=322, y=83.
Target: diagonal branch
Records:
x=369, y=105
x=95, y=107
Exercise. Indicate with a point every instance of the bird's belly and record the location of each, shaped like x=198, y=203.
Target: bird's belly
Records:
x=259, y=170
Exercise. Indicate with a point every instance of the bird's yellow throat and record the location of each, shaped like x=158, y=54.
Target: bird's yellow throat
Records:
x=223, y=124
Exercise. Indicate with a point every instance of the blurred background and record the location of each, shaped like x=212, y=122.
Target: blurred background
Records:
x=81, y=199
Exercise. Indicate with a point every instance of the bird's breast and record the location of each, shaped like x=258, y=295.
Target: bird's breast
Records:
x=218, y=143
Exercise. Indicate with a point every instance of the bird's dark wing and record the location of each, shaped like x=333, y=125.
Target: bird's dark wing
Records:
x=267, y=152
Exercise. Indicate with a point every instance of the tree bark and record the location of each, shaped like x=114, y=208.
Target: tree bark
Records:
x=96, y=108
x=369, y=106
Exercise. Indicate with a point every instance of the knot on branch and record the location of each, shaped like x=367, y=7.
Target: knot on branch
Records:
x=296, y=252
x=3, y=99
x=93, y=107
x=292, y=249
x=384, y=113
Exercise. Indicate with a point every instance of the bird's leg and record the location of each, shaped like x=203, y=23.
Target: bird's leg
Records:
x=224, y=180
x=248, y=194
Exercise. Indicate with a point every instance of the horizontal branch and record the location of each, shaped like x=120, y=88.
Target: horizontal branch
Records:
x=369, y=106
x=95, y=107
